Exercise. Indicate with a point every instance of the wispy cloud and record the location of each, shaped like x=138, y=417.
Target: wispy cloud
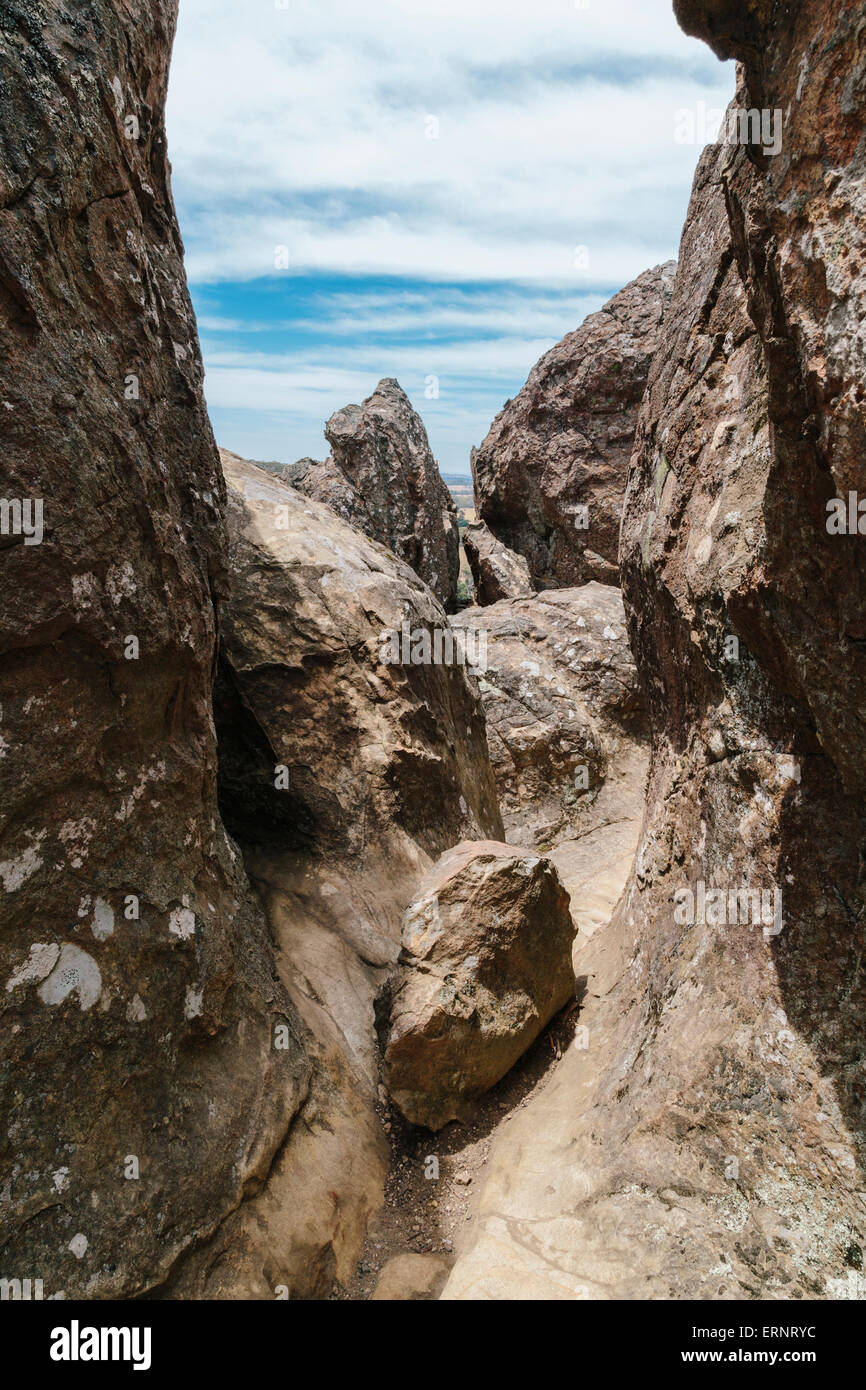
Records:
x=431, y=171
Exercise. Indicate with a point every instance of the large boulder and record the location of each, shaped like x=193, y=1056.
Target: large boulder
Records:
x=322, y=671
x=564, y=712
x=382, y=477
x=497, y=572
x=143, y=1096
x=550, y=477
x=724, y=1032
x=344, y=773
x=485, y=964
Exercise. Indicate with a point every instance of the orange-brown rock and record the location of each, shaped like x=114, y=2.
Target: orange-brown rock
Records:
x=717, y=1150
x=563, y=709
x=550, y=477
x=497, y=572
x=344, y=775
x=485, y=964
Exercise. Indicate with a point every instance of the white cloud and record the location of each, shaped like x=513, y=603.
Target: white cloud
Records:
x=306, y=127
x=278, y=402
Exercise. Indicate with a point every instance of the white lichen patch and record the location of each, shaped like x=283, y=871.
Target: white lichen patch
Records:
x=74, y=973
x=120, y=583
x=75, y=836
x=181, y=923
x=157, y=773
x=85, y=590
x=119, y=100
x=135, y=1010
x=14, y=872
x=102, y=925
x=787, y=770
x=192, y=1003
x=78, y=1246
x=40, y=962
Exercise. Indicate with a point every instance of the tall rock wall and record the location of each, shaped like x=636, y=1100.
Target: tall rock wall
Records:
x=141, y=1094
x=747, y=618
x=709, y=1141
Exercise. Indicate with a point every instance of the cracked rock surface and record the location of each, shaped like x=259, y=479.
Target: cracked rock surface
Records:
x=550, y=477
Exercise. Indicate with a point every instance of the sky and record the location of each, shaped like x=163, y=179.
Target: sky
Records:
x=433, y=190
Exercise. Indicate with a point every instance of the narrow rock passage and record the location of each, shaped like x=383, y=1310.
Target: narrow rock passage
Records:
x=435, y=1180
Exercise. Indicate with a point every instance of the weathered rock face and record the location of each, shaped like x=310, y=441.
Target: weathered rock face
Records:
x=322, y=480
x=497, y=572
x=142, y=1095
x=563, y=708
x=410, y=1278
x=382, y=477
x=723, y=1049
x=550, y=477
x=309, y=680
x=485, y=964
x=344, y=776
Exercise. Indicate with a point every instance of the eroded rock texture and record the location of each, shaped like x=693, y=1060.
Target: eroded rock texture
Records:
x=410, y=1278
x=141, y=1093
x=550, y=477
x=719, y=1151
x=485, y=964
x=344, y=777
x=563, y=709
x=497, y=572
x=382, y=477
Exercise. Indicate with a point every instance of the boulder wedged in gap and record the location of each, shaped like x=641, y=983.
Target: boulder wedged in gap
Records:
x=497, y=572
x=564, y=711
x=485, y=964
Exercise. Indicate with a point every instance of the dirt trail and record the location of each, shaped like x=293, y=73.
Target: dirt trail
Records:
x=434, y=1179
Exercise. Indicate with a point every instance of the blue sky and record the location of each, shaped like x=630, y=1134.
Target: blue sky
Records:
x=433, y=191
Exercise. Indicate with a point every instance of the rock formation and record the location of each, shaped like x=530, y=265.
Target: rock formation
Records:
x=323, y=672
x=718, y=1150
x=497, y=572
x=408, y=1278
x=344, y=775
x=191, y=1084
x=382, y=477
x=142, y=1094
x=485, y=964
x=550, y=477
x=563, y=709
